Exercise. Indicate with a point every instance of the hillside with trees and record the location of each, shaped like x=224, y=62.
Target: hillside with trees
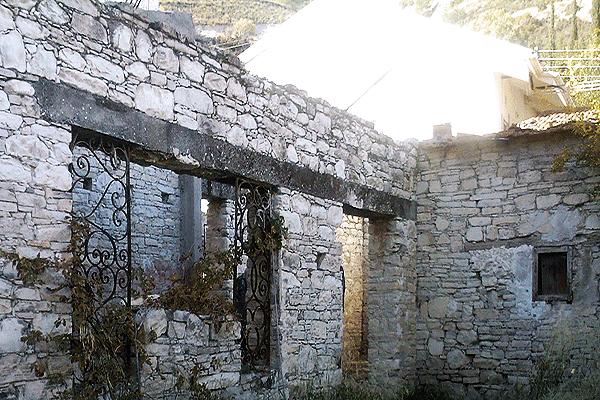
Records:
x=534, y=23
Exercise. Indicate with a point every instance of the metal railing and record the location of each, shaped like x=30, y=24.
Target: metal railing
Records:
x=133, y=3
x=580, y=68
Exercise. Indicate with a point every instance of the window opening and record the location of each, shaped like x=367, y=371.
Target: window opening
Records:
x=551, y=277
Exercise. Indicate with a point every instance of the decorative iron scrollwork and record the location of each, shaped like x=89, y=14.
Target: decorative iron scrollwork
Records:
x=133, y=3
x=252, y=283
x=105, y=252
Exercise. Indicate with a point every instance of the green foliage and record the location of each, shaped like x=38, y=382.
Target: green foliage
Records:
x=362, y=391
x=587, y=153
x=102, y=333
x=551, y=369
x=201, y=293
x=596, y=22
x=228, y=12
x=28, y=269
x=189, y=388
x=555, y=378
x=506, y=20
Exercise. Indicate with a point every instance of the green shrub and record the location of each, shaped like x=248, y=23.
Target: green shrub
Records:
x=362, y=391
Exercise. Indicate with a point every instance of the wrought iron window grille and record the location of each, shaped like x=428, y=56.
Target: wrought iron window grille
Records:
x=106, y=254
x=252, y=281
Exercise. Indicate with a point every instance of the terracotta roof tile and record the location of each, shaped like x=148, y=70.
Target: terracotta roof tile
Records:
x=551, y=123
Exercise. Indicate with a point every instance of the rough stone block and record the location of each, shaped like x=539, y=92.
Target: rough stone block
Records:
x=155, y=101
x=12, y=51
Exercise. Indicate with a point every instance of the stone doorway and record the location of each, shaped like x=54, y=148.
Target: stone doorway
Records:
x=354, y=237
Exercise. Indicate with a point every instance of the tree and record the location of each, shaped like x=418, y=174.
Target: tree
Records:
x=553, y=25
x=587, y=153
x=596, y=22
x=574, y=25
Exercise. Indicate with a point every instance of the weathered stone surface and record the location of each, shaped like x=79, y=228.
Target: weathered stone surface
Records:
x=435, y=347
x=236, y=90
x=155, y=101
x=247, y=121
x=10, y=121
x=547, y=201
x=72, y=59
x=155, y=321
x=215, y=82
x=11, y=330
x=12, y=51
x=165, y=58
x=192, y=69
x=55, y=177
x=53, y=11
x=466, y=337
x=139, y=70
x=18, y=87
x=90, y=27
x=27, y=146
x=457, y=359
x=441, y=306
x=194, y=99
x=73, y=107
x=495, y=328
x=122, y=37
x=525, y=202
x=474, y=234
x=43, y=63
x=31, y=29
x=103, y=68
x=143, y=46
x=83, y=81
x=4, y=103
x=12, y=170
x=576, y=199
x=25, y=4
x=237, y=136
x=85, y=6
x=6, y=19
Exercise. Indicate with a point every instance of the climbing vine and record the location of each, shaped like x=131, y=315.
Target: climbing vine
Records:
x=587, y=153
x=107, y=345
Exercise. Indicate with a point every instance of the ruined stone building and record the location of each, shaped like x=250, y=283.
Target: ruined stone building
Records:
x=444, y=262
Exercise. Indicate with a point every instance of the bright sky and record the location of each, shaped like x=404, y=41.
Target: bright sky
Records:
x=390, y=66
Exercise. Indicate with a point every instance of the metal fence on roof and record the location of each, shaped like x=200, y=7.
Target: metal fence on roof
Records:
x=580, y=68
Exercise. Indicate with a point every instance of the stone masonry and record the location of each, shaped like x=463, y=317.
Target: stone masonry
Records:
x=156, y=214
x=353, y=235
x=67, y=65
x=448, y=248
x=484, y=205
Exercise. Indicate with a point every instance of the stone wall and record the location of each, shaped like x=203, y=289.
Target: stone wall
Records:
x=353, y=235
x=308, y=284
x=34, y=211
x=188, y=344
x=155, y=213
x=139, y=67
x=391, y=285
x=483, y=206
x=143, y=68
x=113, y=53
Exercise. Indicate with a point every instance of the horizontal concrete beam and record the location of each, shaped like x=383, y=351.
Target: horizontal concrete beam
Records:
x=162, y=143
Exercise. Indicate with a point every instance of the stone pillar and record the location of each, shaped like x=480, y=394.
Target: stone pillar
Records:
x=192, y=220
x=391, y=304
x=307, y=289
x=35, y=205
x=220, y=225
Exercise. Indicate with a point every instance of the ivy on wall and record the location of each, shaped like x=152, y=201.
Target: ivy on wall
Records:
x=104, y=343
